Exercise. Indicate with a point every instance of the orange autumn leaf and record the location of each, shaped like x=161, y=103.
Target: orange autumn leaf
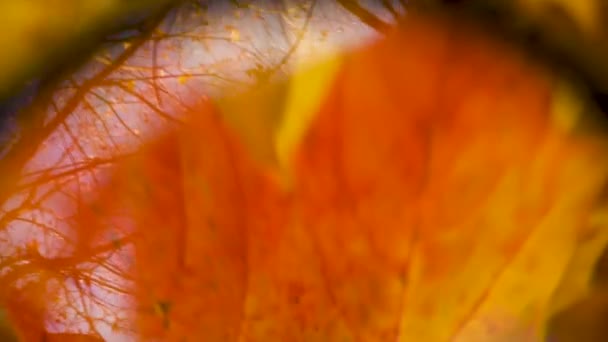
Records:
x=433, y=196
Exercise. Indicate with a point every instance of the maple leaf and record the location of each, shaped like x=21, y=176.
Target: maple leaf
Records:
x=439, y=193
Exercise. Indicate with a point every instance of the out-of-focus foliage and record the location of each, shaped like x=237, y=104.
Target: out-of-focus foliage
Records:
x=6, y=330
x=577, y=29
x=332, y=205
x=587, y=16
x=573, y=33
x=448, y=214
x=36, y=33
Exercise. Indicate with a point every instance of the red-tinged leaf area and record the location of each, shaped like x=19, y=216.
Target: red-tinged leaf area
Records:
x=434, y=196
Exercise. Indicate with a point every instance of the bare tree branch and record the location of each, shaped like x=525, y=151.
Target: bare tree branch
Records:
x=364, y=15
x=36, y=131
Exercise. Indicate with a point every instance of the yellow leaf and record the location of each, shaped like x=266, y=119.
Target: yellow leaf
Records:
x=307, y=88
x=585, y=13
